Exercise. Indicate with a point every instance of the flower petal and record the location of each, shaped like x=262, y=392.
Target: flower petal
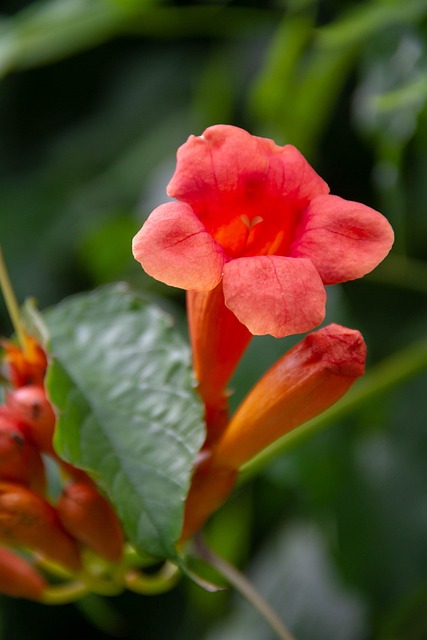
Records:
x=290, y=174
x=174, y=247
x=274, y=295
x=214, y=164
x=228, y=162
x=344, y=239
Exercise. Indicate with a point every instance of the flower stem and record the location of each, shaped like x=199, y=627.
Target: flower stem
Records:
x=242, y=584
x=64, y=593
x=385, y=376
x=154, y=584
x=11, y=303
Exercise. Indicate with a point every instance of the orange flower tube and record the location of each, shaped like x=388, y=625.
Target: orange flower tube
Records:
x=306, y=381
x=218, y=341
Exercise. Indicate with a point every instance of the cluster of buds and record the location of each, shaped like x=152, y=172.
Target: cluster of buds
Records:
x=39, y=534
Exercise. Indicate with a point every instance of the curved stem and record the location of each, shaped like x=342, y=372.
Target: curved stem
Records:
x=385, y=376
x=101, y=584
x=153, y=584
x=11, y=303
x=242, y=584
x=64, y=593
x=53, y=568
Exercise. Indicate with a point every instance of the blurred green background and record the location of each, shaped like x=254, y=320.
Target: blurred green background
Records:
x=95, y=98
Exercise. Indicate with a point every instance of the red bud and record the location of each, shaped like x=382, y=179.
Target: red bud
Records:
x=20, y=461
x=30, y=404
x=87, y=516
x=18, y=578
x=27, y=520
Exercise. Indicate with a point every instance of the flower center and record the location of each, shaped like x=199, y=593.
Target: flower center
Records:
x=251, y=222
x=244, y=235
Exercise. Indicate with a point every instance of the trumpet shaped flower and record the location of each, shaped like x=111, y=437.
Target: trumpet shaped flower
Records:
x=257, y=219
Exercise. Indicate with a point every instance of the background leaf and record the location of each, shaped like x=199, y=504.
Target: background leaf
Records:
x=296, y=575
x=120, y=377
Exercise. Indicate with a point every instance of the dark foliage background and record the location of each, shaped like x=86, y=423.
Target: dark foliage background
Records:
x=95, y=97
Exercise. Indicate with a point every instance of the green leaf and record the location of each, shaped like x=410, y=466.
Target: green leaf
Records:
x=120, y=377
x=296, y=573
x=363, y=21
x=296, y=66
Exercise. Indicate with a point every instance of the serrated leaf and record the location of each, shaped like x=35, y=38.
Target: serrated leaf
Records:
x=120, y=377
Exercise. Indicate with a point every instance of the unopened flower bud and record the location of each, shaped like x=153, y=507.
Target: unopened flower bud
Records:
x=27, y=520
x=89, y=518
x=26, y=366
x=18, y=578
x=20, y=460
x=306, y=381
x=30, y=404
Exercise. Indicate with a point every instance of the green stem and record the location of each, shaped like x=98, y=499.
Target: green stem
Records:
x=153, y=584
x=242, y=584
x=99, y=581
x=64, y=593
x=11, y=303
x=385, y=376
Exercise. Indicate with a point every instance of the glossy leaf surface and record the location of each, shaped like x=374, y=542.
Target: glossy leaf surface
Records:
x=120, y=378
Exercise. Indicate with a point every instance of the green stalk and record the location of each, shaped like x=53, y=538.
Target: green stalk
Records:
x=245, y=588
x=154, y=584
x=11, y=303
x=64, y=593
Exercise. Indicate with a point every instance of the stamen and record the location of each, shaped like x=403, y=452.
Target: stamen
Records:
x=250, y=223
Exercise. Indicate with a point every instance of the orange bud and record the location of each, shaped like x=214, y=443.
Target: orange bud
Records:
x=25, y=366
x=306, y=381
x=18, y=578
x=87, y=516
x=27, y=520
x=30, y=404
x=218, y=341
x=20, y=460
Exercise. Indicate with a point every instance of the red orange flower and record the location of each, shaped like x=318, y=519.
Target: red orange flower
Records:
x=257, y=217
